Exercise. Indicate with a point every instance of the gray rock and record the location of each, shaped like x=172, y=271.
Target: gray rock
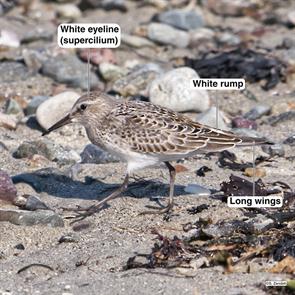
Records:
x=8, y=38
x=138, y=80
x=7, y=189
x=172, y=90
x=274, y=150
x=167, y=35
x=209, y=118
x=229, y=39
x=92, y=154
x=181, y=19
x=290, y=140
x=33, y=203
x=261, y=223
x=111, y=72
x=68, y=11
x=55, y=108
x=107, y=4
x=257, y=112
x=34, y=104
x=136, y=41
x=8, y=121
x=197, y=190
x=12, y=107
x=69, y=69
x=11, y=71
x=48, y=149
x=28, y=218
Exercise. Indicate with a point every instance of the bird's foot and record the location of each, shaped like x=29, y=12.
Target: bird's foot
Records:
x=166, y=211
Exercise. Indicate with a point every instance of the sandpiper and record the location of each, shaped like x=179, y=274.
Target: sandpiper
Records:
x=143, y=134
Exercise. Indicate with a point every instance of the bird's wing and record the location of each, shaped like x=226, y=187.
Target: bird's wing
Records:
x=148, y=128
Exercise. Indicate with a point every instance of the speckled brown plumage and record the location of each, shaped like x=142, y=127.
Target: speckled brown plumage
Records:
x=144, y=134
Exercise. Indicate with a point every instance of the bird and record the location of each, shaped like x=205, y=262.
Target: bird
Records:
x=144, y=134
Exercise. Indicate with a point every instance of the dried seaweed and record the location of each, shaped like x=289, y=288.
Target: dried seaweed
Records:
x=240, y=63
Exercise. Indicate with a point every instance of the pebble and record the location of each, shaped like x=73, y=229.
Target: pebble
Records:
x=232, y=7
x=11, y=71
x=261, y=223
x=274, y=150
x=34, y=104
x=172, y=90
x=69, y=69
x=181, y=19
x=92, y=154
x=55, y=107
x=98, y=55
x=290, y=140
x=240, y=122
x=167, y=35
x=138, y=80
x=48, y=149
x=197, y=190
x=136, y=41
x=201, y=35
x=33, y=203
x=29, y=218
x=9, y=39
x=107, y=4
x=8, y=191
x=69, y=238
x=291, y=17
x=111, y=72
x=257, y=172
x=68, y=11
x=12, y=107
x=209, y=118
x=229, y=39
x=8, y=121
x=257, y=112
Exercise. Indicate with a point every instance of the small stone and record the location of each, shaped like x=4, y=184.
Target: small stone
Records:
x=98, y=55
x=69, y=69
x=181, y=19
x=138, y=80
x=55, y=108
x=110, y=72
x=172, y=90
x=136, y=41
x=257, y=172
x=229, y=39
x=274, y=150
x=167, y=35
x=280, y=107
x=7, y=121
x=201, y=35
x=290, y=140
x=29, y=218
x=240, y=122
x=261, y=223
x=291, y=17
x=257, y=112
x=208, y=118
x=8, y=191
x=106, y=4
x=9, y=39
x=69, y=238
x=12, y=107
x=48, y=149
x=11, y=71
x=33, y=203
x=19, y=246
x=92, y=154
x=197, y=190
x=68, y=11
x=34, y=104
x=232, y=7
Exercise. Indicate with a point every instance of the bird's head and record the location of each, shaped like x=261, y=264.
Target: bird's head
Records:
x=87, y=108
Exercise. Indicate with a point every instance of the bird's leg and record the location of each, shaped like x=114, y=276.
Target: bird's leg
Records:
x=95, y=208
x=168, y=208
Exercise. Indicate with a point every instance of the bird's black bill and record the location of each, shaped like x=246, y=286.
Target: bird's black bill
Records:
x=64, y=121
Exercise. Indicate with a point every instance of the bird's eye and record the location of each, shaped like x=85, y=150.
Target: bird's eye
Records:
x=83, y=106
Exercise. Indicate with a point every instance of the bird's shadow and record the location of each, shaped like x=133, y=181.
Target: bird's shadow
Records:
x=56, y=183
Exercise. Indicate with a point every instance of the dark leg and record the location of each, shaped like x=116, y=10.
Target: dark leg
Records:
x=84, y=212
x=168, y=208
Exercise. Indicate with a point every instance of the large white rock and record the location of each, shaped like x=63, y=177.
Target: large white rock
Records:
x=55, y=108
x=172, y=90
